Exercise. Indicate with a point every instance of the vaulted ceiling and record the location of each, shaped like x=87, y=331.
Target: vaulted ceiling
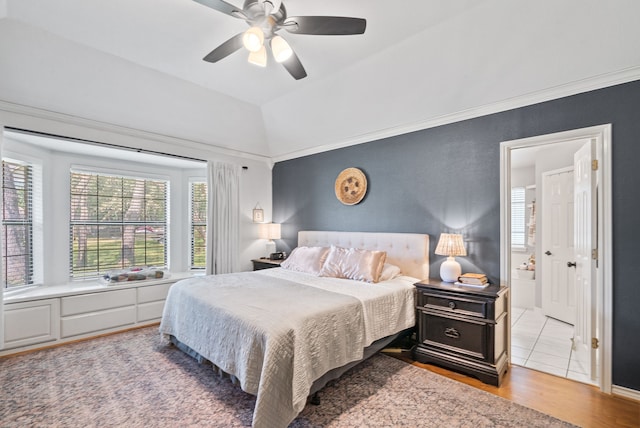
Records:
x=138, y=64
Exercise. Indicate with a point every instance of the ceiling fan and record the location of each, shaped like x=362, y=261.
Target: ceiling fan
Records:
x=265, y=19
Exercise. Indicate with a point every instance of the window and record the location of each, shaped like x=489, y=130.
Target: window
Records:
x=17, y=223
x=518, y=230
x=117, y=222
x=198, y=224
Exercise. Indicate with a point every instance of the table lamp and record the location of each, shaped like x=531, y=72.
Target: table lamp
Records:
x=450, y=245
x=270, y=231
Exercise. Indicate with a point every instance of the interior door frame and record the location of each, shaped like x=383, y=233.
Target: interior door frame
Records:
x=602, y=135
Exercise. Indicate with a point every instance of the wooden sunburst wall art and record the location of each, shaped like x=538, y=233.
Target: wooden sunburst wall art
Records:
x=351, y=186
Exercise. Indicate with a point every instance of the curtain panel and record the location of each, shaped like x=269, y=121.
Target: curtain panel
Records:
x=223, y=217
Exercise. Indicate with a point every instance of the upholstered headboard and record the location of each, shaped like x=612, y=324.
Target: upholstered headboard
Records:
x=409, y=251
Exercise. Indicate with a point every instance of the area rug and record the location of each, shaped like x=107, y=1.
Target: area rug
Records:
x=133, y=380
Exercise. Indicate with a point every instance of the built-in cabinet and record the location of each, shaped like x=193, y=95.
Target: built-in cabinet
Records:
x=29, y=323
x=71, y=316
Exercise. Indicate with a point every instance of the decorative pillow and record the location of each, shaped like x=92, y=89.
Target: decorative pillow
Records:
x=306, y=259
x=389, y=271
x=354, y=263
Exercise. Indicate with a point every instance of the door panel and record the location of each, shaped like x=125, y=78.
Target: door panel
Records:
x=585, y=327
x=558, y=283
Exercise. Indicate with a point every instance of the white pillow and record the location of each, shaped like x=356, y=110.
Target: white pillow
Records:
x=389, y=271
x=306, y=259
x=354, y=263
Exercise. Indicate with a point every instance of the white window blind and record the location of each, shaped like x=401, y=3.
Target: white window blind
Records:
x=518, y=229
x=117, y=222
x=17, y=223
x=198, y=224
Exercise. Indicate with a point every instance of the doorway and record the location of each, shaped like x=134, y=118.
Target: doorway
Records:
x=534, y=153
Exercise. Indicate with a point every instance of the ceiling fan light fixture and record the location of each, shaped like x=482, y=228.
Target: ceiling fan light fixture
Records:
x=259, y=57
x=281, y=49
x=253, y=39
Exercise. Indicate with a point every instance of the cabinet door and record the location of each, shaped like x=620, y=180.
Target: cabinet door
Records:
x=30, y=323
x=467, y=338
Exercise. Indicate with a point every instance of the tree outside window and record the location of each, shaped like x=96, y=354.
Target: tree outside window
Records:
x=117, y=222
x=17, y=224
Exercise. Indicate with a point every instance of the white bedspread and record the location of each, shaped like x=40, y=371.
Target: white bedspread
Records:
x=277, y=331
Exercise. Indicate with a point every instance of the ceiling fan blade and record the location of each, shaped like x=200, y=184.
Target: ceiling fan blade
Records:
x=325, y=25
x=294, y=67
x=224, y=7
x=225, y=49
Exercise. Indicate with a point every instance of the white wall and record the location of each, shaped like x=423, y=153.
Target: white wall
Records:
x=441, y=71
x=46, y=71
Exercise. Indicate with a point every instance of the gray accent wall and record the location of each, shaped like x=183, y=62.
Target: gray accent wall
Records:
x=447, y=179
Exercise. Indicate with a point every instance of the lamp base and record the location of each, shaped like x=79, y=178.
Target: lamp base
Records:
x=450, y=270
x=271, y=248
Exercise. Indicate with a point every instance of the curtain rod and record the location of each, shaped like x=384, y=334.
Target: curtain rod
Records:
x=98, y=143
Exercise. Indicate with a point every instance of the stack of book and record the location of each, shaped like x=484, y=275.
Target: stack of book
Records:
x=473, y=279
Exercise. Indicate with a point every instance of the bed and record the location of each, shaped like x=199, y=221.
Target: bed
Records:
x=283, y=333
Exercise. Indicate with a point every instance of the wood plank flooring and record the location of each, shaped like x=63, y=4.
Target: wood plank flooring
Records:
x=575, y=402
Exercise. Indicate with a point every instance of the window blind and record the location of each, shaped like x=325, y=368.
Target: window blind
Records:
x=198, y=224
x=17, y=223
x=117, y=222
x=518, y=229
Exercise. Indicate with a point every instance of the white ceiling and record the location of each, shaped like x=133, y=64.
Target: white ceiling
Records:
x=138, y=64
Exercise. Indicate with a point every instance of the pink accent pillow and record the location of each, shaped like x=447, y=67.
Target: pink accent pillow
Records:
x=354, y=263
x=306, y=259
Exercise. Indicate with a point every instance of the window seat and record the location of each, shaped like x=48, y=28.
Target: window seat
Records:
x=39, y=292
x=47, y=315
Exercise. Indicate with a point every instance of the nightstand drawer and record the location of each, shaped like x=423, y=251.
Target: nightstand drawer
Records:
x=457, y=304
x=454, y=335
x=259, y=264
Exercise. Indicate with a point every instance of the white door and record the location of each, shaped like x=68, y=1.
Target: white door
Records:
x=585, y=269
x=558, y=279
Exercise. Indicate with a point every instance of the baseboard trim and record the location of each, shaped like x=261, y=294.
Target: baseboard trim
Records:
x=625, y=392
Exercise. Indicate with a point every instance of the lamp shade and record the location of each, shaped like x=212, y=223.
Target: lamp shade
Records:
x=258, y=57
x=450, y=244
x=269, y=231
x=281, y=49
x=253, y=39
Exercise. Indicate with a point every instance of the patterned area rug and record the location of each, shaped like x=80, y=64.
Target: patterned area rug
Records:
x=132, y=380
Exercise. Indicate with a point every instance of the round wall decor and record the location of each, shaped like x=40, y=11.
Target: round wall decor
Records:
x=351, y=186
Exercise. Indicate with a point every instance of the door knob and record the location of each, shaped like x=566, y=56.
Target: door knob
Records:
x=548, y=253
x=571, y=264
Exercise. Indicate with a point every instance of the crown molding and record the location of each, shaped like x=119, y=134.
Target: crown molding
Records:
x=68, y=119
x=565, y=90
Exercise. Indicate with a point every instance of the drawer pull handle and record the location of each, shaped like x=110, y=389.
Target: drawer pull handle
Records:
x=452, y=333
x=452, y=305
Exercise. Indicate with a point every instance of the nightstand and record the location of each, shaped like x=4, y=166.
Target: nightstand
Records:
x=265, y=263
x=463, y=328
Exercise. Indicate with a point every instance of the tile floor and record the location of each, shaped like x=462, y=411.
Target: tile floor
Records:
x=544, y=344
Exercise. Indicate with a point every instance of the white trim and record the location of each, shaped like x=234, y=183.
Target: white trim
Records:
x=116, y=172
x=602, y=135
x=179, y=143
x=568, y=89
x=626, y=392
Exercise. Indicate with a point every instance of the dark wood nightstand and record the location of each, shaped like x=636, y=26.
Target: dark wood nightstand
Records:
x=265, y=263
x=463, y=328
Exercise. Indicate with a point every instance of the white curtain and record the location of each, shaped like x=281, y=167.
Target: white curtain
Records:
x=223, y=217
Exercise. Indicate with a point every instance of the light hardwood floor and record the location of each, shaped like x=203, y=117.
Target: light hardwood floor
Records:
x=578, y=403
